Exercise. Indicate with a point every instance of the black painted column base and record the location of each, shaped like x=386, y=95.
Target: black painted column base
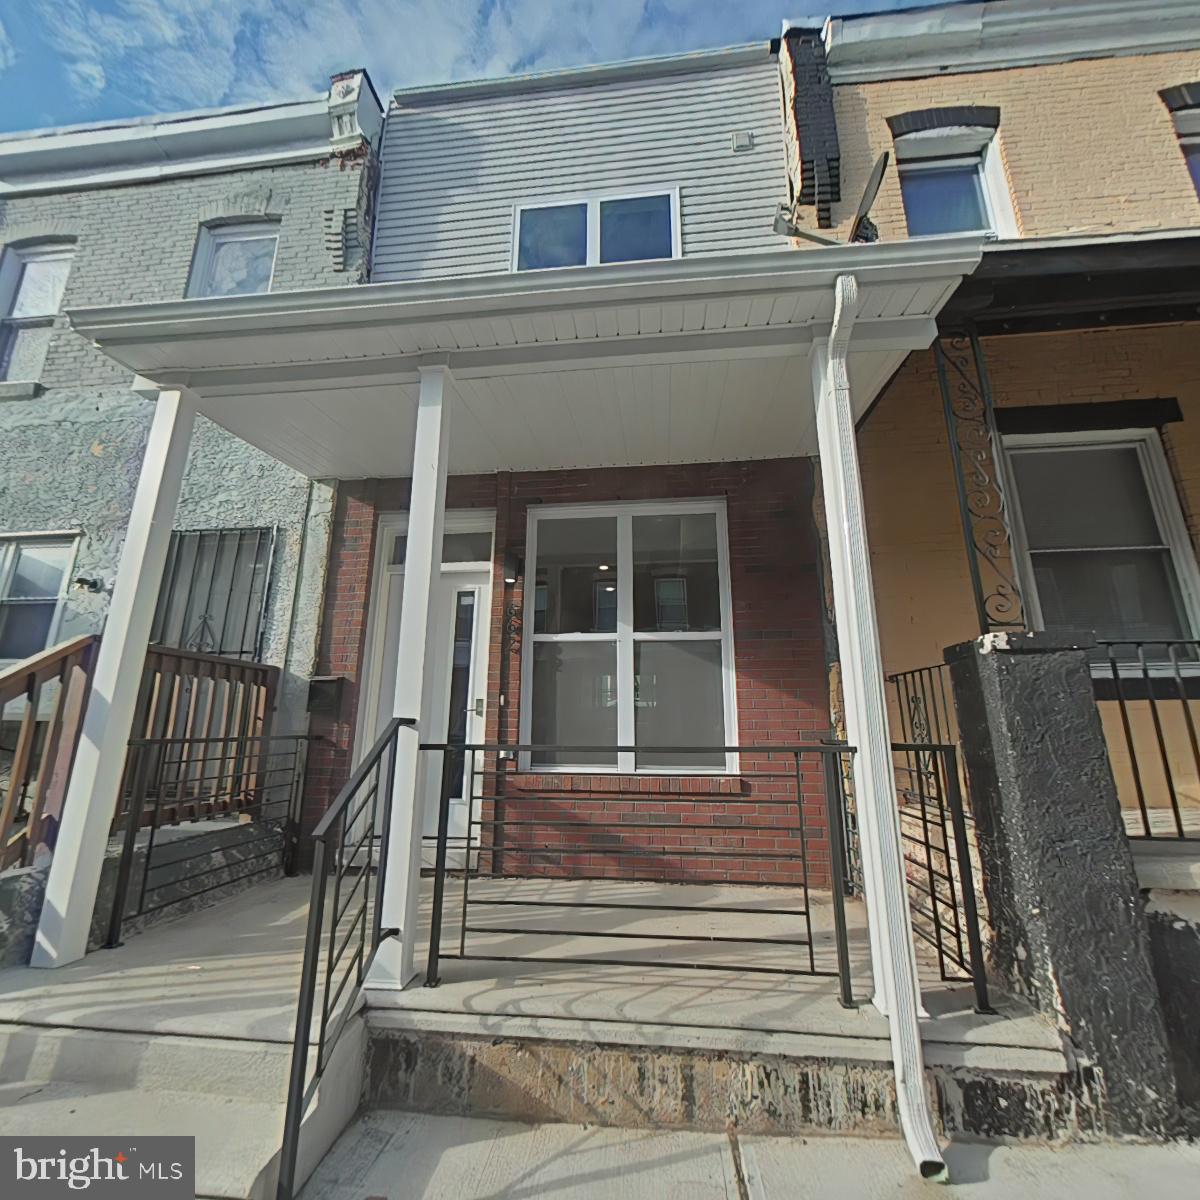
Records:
x=1068, y=920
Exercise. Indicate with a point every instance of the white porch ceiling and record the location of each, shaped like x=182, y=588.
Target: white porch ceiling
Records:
x=686, y=361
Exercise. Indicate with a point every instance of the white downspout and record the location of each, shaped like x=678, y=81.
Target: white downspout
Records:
x=893, y=957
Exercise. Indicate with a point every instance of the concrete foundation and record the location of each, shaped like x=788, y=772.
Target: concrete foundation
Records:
x=1174, y=922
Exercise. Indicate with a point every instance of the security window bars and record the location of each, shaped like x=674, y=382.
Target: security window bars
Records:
x=32, y=282
x=33, y=582
x=600, y=229
x=631, y=640
x=214, y=592
x=234, y=260
x=1103, y=541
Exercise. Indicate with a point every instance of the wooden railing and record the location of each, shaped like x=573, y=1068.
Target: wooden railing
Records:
x=44, y=698
x=213, y=711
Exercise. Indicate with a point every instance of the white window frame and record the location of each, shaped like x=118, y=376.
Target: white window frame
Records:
x=12, y=265
x=1164, y=502
x=625, y=636
x=593, y=200
x=210, y=237
x=9, y=542
x=962, y=146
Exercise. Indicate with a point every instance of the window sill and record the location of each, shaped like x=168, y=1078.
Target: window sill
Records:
x=19, y=389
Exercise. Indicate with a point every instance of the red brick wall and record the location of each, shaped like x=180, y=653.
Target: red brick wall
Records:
x=782, y=695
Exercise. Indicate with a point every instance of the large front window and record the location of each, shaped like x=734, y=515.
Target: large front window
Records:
x=1104, y=545
x=631, y=643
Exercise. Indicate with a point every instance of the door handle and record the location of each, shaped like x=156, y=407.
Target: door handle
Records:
x=479, y=708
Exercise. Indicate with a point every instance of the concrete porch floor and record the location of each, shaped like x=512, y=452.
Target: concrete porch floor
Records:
x=232, y=970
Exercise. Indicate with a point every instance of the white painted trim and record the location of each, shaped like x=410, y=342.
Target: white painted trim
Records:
x=593, y=200
x=461, y=520
x=952, y=38
x=624, y=635
x=889, y=922
x=95, y=782
x=214, y=234
x=1160, y=487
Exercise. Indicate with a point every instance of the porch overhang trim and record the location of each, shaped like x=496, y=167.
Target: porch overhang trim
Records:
x=484, y=295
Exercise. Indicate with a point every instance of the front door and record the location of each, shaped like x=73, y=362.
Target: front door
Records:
x=452, y=708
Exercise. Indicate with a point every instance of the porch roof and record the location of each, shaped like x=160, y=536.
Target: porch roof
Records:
x=690, y=360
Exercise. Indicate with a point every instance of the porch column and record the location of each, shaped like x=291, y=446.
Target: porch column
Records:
x=893, y=959
x=394, y=965
x=92, y=794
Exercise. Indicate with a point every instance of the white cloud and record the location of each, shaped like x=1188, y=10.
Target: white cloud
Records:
x=8, y=52
x=159, y=55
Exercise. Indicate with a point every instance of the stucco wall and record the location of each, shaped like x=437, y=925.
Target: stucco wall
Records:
x=1087, y=146
x=71, y=455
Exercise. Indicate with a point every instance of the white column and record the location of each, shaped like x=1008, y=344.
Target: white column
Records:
x=91, y=799
x=394, y=965
x=893, y=959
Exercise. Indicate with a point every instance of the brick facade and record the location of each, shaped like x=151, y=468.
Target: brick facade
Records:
x=778, y=656
x=1088, y=146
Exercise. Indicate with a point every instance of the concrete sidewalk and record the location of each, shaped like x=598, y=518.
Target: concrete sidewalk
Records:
x=404, y=1156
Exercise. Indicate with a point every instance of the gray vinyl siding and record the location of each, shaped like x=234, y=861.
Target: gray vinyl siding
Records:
x=454, y=170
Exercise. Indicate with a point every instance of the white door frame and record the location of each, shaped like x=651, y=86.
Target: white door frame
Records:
x=462, y=520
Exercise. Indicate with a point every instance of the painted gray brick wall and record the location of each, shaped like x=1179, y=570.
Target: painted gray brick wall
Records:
x=70, y=456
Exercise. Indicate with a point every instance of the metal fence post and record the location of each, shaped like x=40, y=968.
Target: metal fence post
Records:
x=835, y=803
x=439, y=868
x=133, y=825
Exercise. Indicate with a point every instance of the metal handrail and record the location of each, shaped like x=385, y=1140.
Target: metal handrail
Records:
x=334, y=861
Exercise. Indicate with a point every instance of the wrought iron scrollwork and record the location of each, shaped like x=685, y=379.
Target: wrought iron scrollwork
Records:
x=971, y=426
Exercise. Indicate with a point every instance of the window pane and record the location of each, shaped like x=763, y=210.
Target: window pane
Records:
x=574, y=701
x=240, y=266
x=1192, y=153
x=675, y=583
x=38, y=572
x=679, y=702
x=467, y=547
x=635, y=229
x=1080, y=498
x=943, y=200
x=553, y=237
x=1118, y=593
x=40, y=292
x=23, y=351
x=574, y=554
x=25, y=628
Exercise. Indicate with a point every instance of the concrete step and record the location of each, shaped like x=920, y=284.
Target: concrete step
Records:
x=236, y=1139
x=630, y=1075
x=103, y=1059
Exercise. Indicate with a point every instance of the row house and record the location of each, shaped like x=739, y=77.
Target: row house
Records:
x=727, y=610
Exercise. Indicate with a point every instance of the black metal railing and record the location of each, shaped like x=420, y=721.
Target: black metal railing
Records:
x=936, y=843
x=1146, y=692
x=525, y=839
x=344, y=928
x=199, y=815
x=924, y=704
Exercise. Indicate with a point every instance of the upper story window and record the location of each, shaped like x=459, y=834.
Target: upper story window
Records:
x=1103, y=543
x=631, y=644
x=1183, y=103
x=598, y=229
x=34, y=572
x=234, y=260
x=32, y=282
x=951, y=177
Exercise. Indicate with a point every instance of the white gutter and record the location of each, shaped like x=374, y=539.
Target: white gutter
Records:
x=916, y=260
x=890, y=925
